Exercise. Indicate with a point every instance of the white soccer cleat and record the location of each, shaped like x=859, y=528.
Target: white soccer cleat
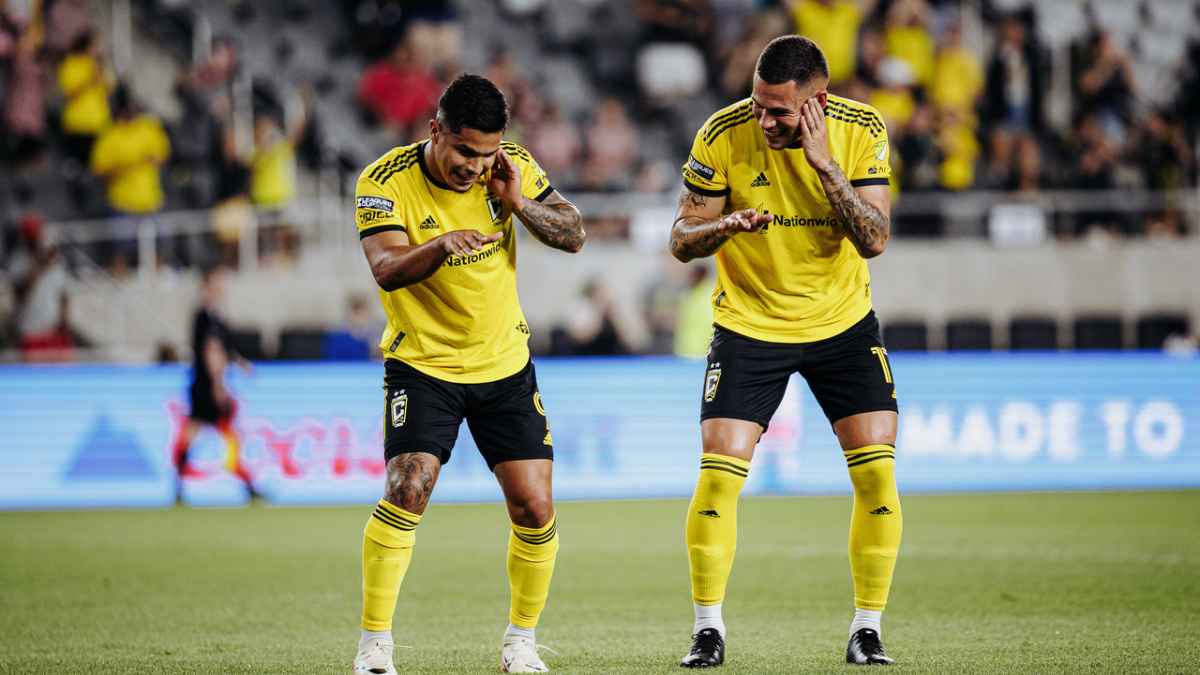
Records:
x=519, y=655
x=375, y=658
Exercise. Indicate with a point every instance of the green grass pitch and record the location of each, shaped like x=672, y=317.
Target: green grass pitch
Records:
x=986, y=583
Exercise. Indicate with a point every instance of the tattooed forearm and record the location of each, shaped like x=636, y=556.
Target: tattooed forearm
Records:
x=410, y=480
x=556, y=224
x=868, y=228
x=694, y=236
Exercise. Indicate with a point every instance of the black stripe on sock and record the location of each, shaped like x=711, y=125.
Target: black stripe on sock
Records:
x=723, y=462
x=868, y=460
x=403, y=519
x=538, y=539
x=721, y=468
x=392, y=523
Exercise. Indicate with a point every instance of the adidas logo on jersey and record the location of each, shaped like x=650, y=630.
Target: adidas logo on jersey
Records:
x=428, y=224
x=761, y=181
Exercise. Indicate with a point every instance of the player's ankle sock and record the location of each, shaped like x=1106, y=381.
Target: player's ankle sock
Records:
x=531, y=555
x=875, y=525
x=387, y=549
x=373, y=634
x=866, y=618
x=708, y=616
x=712, y=525
x=519, y=632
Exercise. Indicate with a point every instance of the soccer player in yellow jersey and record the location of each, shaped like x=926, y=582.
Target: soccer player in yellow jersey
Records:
x=435, y=222
x=789, y=189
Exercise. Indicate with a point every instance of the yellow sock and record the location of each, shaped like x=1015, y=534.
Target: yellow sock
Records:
x=875, y=524
x=531, y=555
x=712, y=525
x=387, y=549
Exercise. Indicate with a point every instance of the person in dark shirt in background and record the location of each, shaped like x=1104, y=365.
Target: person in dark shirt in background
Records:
x=211, y=402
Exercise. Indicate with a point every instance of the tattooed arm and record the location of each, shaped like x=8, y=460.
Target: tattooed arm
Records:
x=864, y=211
x=555, y=222
x=699, y=229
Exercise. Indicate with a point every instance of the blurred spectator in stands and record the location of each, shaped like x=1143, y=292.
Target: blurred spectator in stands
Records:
x=212, y=76
x=557, y=147
x=273, y=162
x=694, y=318
x=833, y=25
x=895, y=99
x=128, y=156
x=1028, y=178
x=233, y=215
x=590, y=327
x=1016, y=82
x=660, y=303
x=85, y=84
x=689, y=21
x=737, y=74
x=358, y=338
x=612, y=148
x=40, y=280
x=871, y=53
x=204, y=101
x=1162, y=150
x=66, y=22
x=401, y=91
x=1095, y=169
x=957, y=80
x=434, y=30
x=1104, y=80
x=23, y=127
x=1166, y=225
x=959, y=149
x=908, y=38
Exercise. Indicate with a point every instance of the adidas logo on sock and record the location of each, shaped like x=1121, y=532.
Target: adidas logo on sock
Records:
x=761, y=181
x=710, y=513
x=882, y=511
x=428, y=224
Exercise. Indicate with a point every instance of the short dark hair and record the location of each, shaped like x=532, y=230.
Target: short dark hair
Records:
x=473, y=101
x=791, y=58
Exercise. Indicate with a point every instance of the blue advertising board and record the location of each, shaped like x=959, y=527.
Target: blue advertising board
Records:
x=90, y=436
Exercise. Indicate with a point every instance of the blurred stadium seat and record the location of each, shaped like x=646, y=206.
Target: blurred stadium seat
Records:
x=968, y=334
x=1099, y=333
x=1032, y=333
x=911, y=336
x=1154, y=329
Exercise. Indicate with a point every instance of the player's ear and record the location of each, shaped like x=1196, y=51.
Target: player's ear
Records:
x=434, y=129
x=822, y=98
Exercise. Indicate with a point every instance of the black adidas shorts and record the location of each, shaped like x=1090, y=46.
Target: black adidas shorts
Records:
x=423, y=414
x=848, y=373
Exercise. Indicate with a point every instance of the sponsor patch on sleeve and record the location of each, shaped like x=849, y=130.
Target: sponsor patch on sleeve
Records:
x=700, y=168
x=377, y=203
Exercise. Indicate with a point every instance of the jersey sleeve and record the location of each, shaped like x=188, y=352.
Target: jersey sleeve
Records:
x=704, y=172
x=871, y=156
x=375, y=207
x=535, y=184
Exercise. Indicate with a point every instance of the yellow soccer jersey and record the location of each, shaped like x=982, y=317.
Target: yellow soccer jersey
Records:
x=464, y=323
x=800, y=278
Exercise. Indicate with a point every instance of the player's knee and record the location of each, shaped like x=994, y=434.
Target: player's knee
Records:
x=531, y=511
x=410, y=480
x=873, y=477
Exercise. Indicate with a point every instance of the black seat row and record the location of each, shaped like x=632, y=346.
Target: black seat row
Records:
x=1040, y=333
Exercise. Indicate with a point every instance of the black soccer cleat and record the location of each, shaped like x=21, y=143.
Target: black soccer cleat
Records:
x=865, y=649
x=708, y=650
